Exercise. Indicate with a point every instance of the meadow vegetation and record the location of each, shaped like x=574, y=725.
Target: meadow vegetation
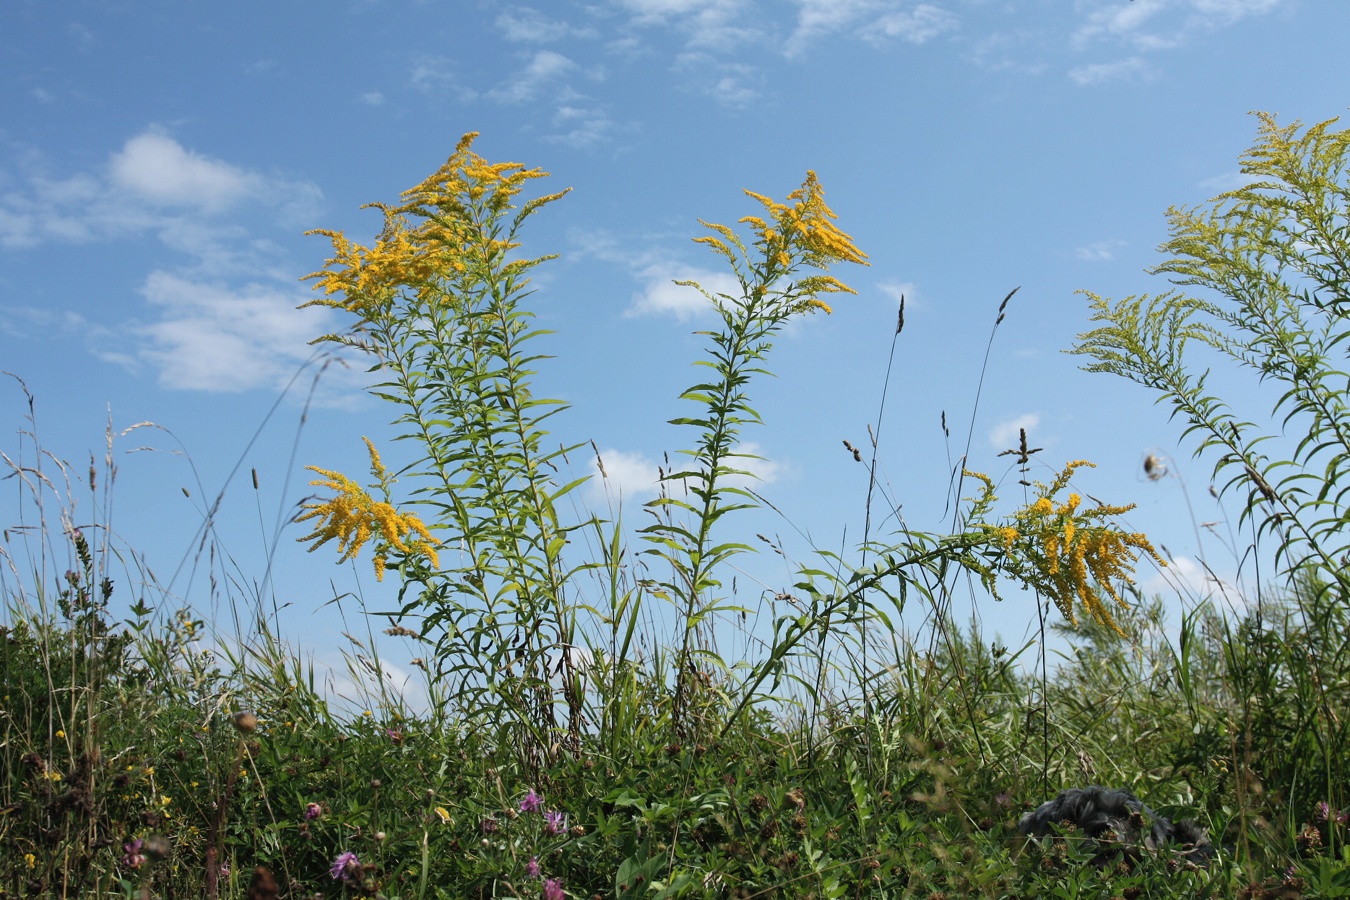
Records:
x=586, y=735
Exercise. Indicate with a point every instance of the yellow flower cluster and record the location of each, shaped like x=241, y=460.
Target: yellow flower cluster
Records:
x=1067, y=548
x=799, y=232
x=352, y=516
x=456, y=210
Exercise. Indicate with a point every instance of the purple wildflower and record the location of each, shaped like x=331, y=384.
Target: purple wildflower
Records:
x=555, y=822
x=532, y=867
x=345, y=866
x=489, y=825
x=132, y=857
x=313, y=811
x=395, y=736
x=532, y=802
x=553, y=890
x=1323, y=810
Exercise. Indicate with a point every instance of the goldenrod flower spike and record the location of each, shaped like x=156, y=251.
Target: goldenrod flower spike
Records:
x=794, y=234
x=1070, y=554
x=352, y=517
x=453, y=210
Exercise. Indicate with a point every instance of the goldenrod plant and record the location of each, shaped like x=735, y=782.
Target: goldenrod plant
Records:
x=1262, y=274
x=439, y=301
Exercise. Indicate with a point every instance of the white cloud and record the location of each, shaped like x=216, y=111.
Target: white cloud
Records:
x=1151, y=25
x=634, y=476
x=544, y=69
x=761, y=471
x=727, y=83
x=658, y=272
x=728, y=91
x=1007, y=51
x=529, y=26
x=203, y=333
x=918, y=25
x=372, y=98
x=1007, y=434
x=663, y=297
x=1101, y=73
x=155, y=167
x=152, y=184
x=1100, y=251
x=897, y=289
x=211, y=337
x=436, y=74
x=1188, y=578
x=1227, y=12
x=873, y=20
x=627, y=475
x=1122, y=21
x=580, y=126
x=708, y=23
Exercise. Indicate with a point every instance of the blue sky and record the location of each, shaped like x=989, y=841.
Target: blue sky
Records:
x=159, y=163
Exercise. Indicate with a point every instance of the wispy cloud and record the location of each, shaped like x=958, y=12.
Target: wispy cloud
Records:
x=1123, y=22
x=873, y=20
x=546, y=71
x=635, y=476
x=657, y=271
x=581, y=126
x=1100, y=251
x=898, y=289
x=202, y=333
x=525, y=25
x=152, y=184
x=623, y=474
x=918, y=25
x=1147, y=26
x=661, y=296
x=731, y=84
x=1007, y=433
x=156, y=168
x=212, y=337
x=1121, y=70
x=436, y=75
x=714, y=24
x=1228, y=12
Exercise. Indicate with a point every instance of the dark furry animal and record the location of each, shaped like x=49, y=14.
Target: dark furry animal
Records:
x=263, y=886
x=1118, y=823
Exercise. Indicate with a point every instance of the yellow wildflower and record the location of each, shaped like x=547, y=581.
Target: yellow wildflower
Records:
x=30, y=860
x=1062, y=551
x=61, y=734
x=437, y=234
x=442, y=815
x=352, y=516
x=800, y=232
